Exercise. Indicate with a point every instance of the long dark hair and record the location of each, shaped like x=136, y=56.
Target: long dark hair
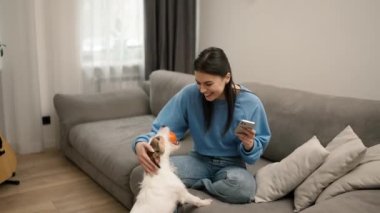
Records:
x=214, y=61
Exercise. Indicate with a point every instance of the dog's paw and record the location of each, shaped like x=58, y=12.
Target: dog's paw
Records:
x=204, y=202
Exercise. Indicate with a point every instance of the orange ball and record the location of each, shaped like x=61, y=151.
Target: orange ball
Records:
x=173, y=138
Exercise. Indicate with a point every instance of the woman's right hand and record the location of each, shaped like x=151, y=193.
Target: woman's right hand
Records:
x=142, y=149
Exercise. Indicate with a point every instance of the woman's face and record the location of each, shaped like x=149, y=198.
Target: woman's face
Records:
x=211, y=86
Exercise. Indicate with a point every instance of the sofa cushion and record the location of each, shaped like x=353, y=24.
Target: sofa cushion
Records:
x=365, y=176
x=346, y=152
x=284, y=205
x=107, y=145
x=164, y=85
x=350, y=202
x=278, y=179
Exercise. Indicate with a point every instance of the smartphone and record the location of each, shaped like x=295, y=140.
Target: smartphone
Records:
x=244, y=124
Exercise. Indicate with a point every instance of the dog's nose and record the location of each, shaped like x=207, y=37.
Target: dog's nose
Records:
x=162, y=126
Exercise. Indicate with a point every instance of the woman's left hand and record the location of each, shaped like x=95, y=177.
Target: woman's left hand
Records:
x=247, y=137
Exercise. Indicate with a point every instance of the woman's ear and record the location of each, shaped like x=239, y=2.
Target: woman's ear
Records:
x=227, y=78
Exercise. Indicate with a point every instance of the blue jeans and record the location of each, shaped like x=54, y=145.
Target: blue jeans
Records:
x=226, y=178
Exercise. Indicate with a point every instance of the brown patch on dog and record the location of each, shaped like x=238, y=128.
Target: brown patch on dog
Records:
x=158, y=148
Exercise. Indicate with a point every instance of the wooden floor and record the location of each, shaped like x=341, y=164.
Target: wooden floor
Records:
x=51, y=183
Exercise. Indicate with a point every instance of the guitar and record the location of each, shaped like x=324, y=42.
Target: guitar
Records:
x=8, y=162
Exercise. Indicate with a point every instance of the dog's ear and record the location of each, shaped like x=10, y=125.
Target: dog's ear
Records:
x=155, y=144
x=156, y=159
x=155, y=155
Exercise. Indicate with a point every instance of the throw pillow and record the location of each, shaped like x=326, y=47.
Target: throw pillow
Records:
x=346, y=152
x=365, y=176
x=278, y=179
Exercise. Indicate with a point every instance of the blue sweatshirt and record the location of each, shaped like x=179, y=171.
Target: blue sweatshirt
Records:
x=184, y=112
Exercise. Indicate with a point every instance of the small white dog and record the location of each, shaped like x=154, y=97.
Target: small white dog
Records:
x=161, y=192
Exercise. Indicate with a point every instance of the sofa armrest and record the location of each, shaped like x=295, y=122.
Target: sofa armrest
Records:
x=76, y=109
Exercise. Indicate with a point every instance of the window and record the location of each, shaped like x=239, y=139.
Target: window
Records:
x=111, y=33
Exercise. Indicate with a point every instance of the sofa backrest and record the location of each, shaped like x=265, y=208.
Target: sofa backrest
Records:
x=164, y=85
x=294, y=116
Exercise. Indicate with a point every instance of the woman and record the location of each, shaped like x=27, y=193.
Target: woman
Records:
x=211, y=109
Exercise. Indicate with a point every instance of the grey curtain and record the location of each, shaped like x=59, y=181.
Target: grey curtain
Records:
x=169, y=35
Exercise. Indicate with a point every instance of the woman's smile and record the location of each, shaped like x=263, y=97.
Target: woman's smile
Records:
x=211, y=86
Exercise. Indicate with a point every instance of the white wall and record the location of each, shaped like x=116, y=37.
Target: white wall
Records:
x=329, y=47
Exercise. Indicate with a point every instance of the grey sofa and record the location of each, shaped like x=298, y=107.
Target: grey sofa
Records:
x=97, y=131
